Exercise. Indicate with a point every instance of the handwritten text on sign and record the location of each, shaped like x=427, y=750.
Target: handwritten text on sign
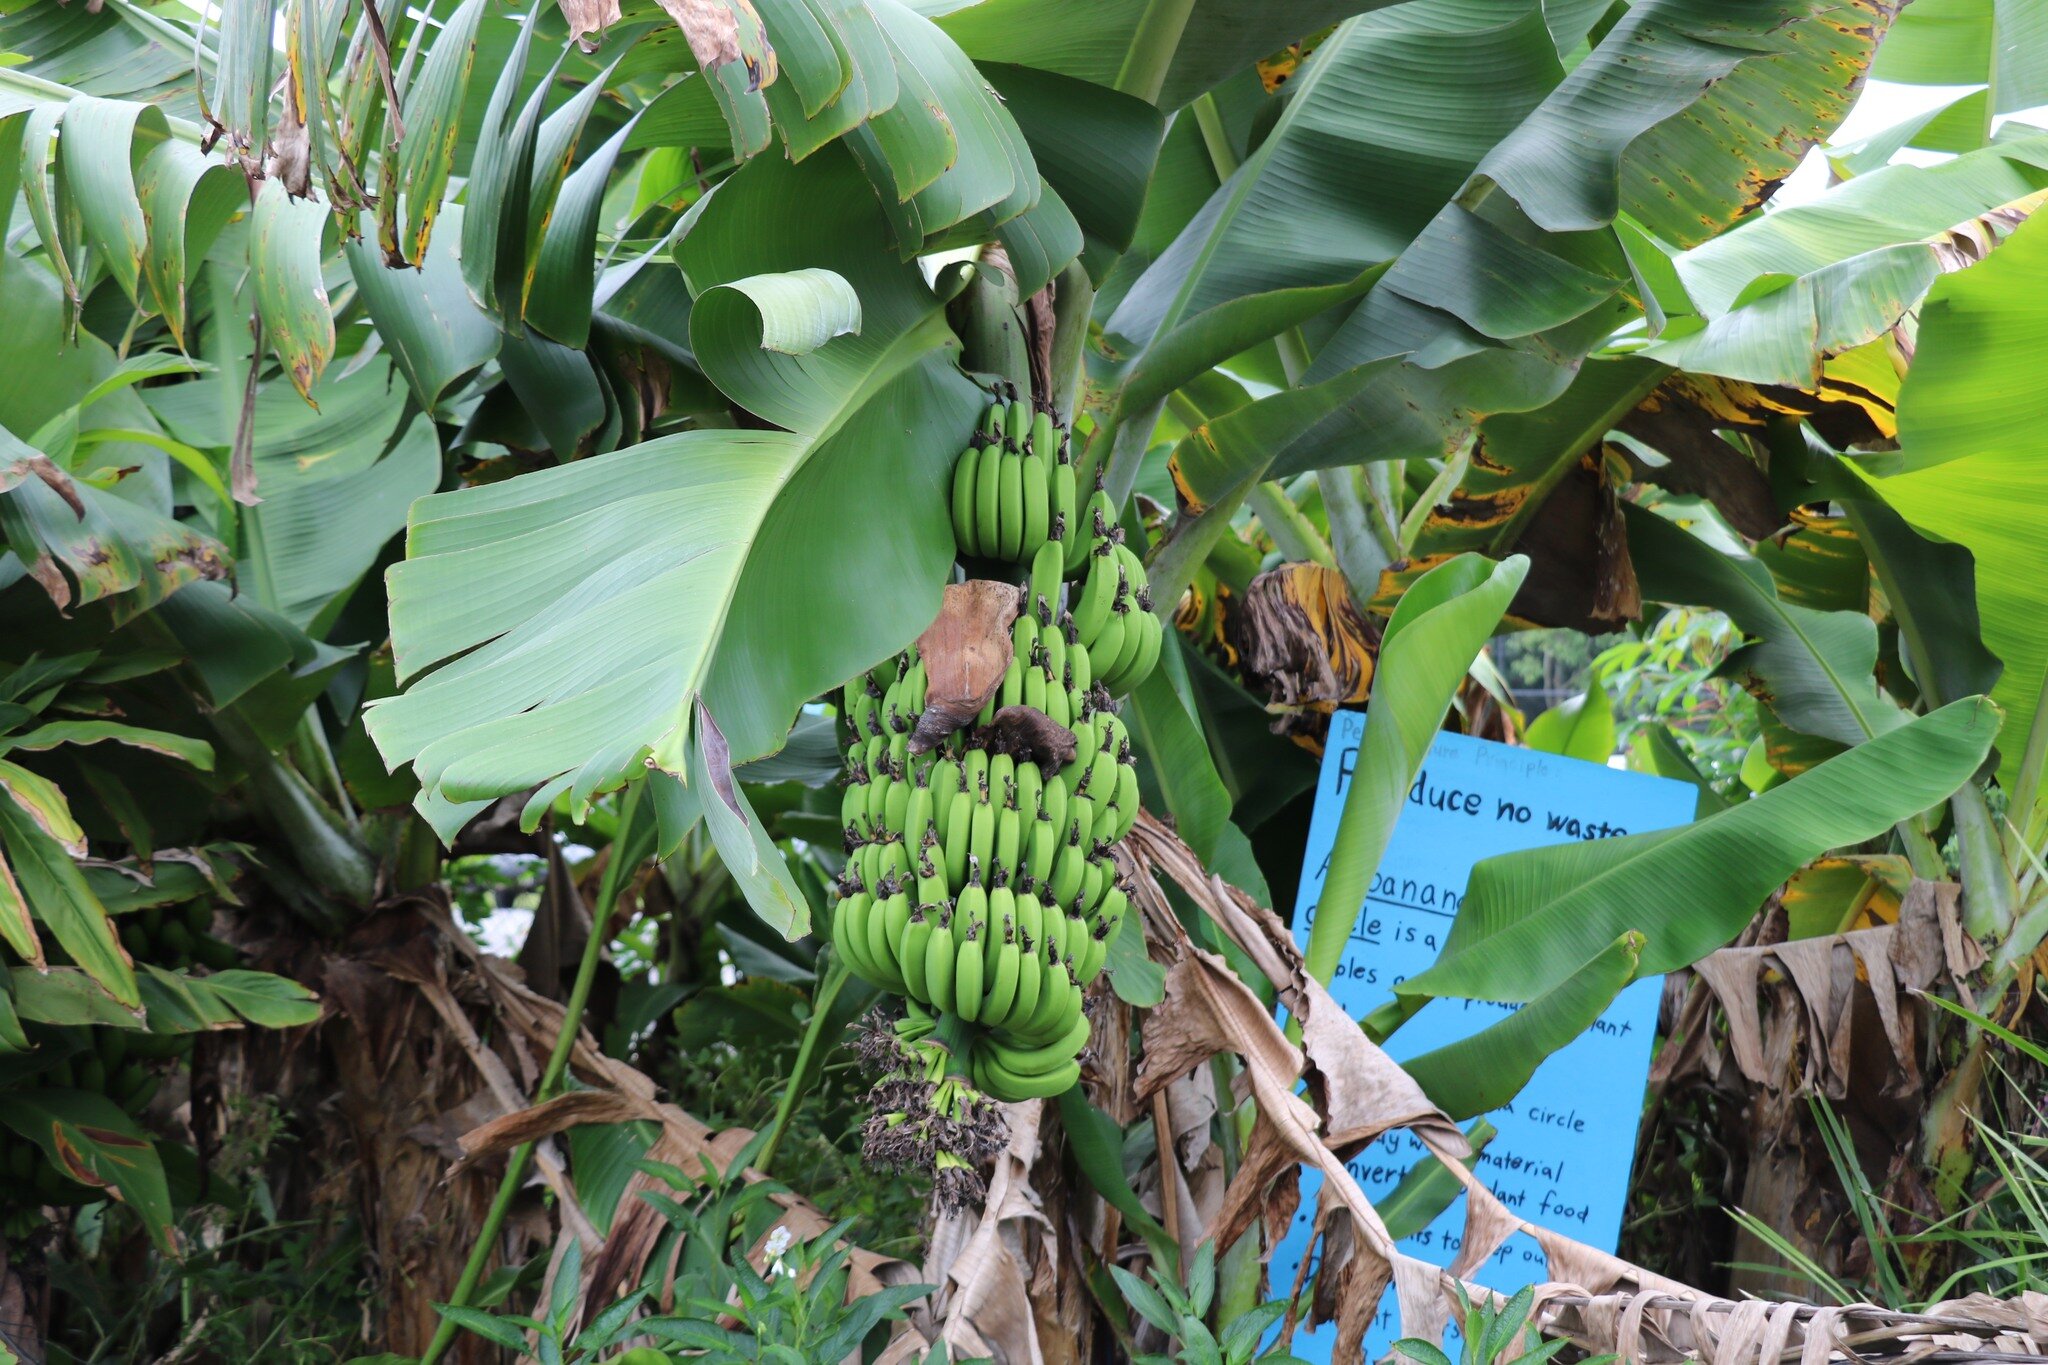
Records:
x=1565, y=1143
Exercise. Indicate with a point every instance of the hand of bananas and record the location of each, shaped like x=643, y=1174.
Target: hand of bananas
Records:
x=979, y=881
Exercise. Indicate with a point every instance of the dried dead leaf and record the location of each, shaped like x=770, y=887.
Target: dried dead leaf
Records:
x=1299, y=636
x=722, y=31
x=965, y=652
x=984, y=1303
x=587, y=17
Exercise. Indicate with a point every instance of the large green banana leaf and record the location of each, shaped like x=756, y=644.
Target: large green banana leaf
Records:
x=1532, y=920
x=1970, y=417
x=557, y=628
x=1506, y=268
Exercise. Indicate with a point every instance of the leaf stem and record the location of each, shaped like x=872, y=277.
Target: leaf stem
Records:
x=1153, y=46
x=793, y=1093
x=616, y=872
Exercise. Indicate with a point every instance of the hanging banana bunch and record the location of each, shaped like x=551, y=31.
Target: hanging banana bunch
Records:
x=980, y=884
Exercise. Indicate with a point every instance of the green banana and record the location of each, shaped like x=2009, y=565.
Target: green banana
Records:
x=1151, y=636
x=849, y=933
x=1058, y=1001
x=988, y=476
x=1099, y=517
x=1030, y=790
x=1009, y=839
x=939, y=954
x=981, y=841
x=853, y=808
x=1036, y=680
x=968, y=969
x=1011, y=692
x=1030, y=913
x=1127, y=559
x=1055, y=797
x=1036, y=496
x=945, y=785
x=896, y=808
x=1094, y=880
x=1068, y=865
x=1099, y=590
x=1126, y=798
x=1121, y=679
x=1047, y=573
x=1081, y=818
x=917, y=811
x=1109, y=641
x=1041, y=847
x=1030, y=979
x=885, y=923
x=1079, y=660
x=910, y=953
x=970, y=908
x=1003, y=1085
x=931, y=876
x=1010, y=506
x=1099, y=782
x=1000, y=975
x=1037, y=1059
x=1023, y=636
x=965, y=529
x=959, y=835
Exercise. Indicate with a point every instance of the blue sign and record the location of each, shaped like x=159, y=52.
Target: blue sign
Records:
x=1565, y=1144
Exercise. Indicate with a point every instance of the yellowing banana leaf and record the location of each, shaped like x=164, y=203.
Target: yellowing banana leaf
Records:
x=285, y=250
x=104, y=143
x=1897, y=206
x=1533, y=919
x=433, y=122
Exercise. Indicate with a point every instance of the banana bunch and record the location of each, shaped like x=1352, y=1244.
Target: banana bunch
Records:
x=1014, y=489
x=980, y=885
x=176, y=936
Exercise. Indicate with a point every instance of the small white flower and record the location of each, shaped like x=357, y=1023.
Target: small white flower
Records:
x=778, y=1242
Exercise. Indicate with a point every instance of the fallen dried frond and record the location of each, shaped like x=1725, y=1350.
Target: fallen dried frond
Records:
x=1599, y=1301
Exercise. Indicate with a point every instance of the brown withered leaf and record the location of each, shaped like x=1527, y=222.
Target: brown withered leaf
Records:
x=41, y=467
x=587, y=17
x=965, y=652
x=1682, y=420
x=1299, y=636
x=984, y=1303
x=1364, y=1091
x=722, y=31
